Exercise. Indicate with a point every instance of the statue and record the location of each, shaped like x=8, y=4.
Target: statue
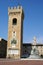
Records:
x=34, y=52
x=34, y=41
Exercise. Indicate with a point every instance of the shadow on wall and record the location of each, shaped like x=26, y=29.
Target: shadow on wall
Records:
x=3, y=48
x=41, y=56
x=26, y=50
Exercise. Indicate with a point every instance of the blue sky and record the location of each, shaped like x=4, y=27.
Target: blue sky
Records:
x=33, y=18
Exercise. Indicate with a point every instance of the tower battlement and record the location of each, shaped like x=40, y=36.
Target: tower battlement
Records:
x=15, y=9
x=18, y=7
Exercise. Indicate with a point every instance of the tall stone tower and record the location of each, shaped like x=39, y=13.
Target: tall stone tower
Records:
x=15, y=31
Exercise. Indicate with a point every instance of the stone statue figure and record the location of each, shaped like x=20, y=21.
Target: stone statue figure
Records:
x=34, y=51
x=34, y=41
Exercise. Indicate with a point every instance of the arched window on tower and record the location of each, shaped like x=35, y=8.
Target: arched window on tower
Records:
x=14, y=21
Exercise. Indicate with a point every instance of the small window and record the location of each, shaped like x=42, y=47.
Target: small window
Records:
x=14, y=34
x=14, y=21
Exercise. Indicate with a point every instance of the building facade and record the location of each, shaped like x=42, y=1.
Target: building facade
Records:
x=15, y=31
